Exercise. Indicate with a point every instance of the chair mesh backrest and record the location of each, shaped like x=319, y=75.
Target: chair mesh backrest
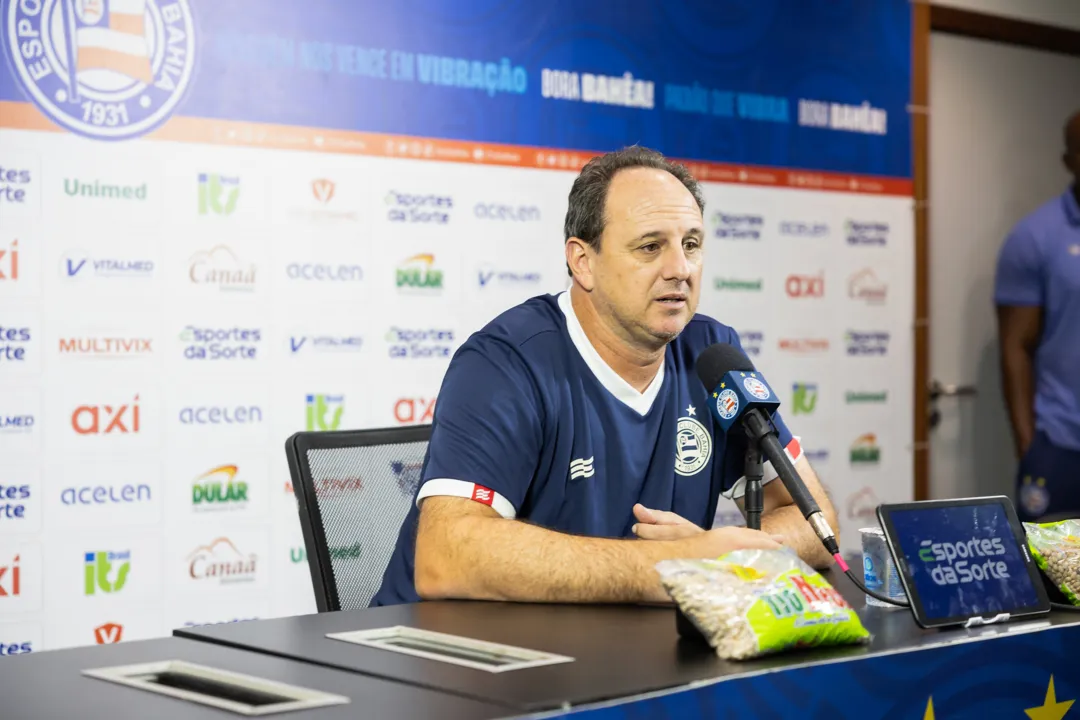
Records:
x=363, y=494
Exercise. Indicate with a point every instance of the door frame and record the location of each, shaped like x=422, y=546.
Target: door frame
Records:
x=927, y=18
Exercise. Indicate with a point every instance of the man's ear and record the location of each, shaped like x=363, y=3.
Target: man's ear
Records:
x=579, y=258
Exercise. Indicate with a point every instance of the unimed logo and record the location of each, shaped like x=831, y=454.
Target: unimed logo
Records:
x=106, y=419
x=414, y=410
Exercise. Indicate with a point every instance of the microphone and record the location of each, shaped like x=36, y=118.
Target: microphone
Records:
x=738, y=394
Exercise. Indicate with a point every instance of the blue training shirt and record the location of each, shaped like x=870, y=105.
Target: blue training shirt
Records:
x=1039, y=264
x=532, y=422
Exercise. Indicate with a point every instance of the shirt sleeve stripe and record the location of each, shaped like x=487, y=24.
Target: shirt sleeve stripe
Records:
x=447, y=487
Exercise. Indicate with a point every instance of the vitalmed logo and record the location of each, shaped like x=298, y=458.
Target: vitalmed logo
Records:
x=738, y=284
x=324, y=411
x=221, y=415
x=865, y=450
x=13, y=185
x=218, y=194
x=11, y=423
x=108, y=634
x=865, y=286
x=799, y=228
x=867, y=343
x=419, y=274
x=412, y=410
x=751, y=341
x=805, y=286
x=13, y=500
x=506, y=213
x=219, y=489
x=220, y=343
x=222, y=268
x=415, y=208
x=97, y=190
x=409, y=343
x=106, y=571
x=489, y=277
x=9, y=262
x=873, y=234
x=13, y=344
x=733, y=226
x=222, y=563
x=818, y=455
x=804, y=398
x=106, y=347
x=803, y=345
x=303, y=344
x=79, y=265
x=107, y=419
x=106, y=494
x=323, y=272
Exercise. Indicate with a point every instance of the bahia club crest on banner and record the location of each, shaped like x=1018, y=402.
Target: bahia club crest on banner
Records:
x=105, y=69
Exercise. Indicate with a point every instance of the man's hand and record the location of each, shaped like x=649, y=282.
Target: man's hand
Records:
x=664, y=525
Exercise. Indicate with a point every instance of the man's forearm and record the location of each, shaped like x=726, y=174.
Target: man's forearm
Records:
x=1018, y=376
x=487, y=558
x=789, y=522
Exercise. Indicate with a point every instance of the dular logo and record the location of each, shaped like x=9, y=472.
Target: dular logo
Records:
x=222, y=562
x=106, y=419
x=419, y=274
x=104, y=69
x=220, y=266
x=865, y=450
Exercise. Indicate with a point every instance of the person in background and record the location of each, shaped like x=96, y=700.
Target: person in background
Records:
x=1037, y=293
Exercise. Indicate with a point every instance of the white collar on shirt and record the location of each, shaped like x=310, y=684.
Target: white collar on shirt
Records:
x=641, y=402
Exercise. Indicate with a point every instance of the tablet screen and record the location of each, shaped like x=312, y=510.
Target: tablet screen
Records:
x=963, y=560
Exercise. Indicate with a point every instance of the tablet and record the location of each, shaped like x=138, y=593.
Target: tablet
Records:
x=963, y=562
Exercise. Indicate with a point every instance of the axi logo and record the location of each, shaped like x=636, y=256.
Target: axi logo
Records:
x=414, y=410
x=218, y=489
x=10, y=585
x=730, y=226
x=419, y=274
x=13, y=508
x=322, y=189
x=864, y=285
x=218, y=194
x=9, y=262
x=106, y=419
x=317, y=408
x=865, y=450
x=222, y=267
x=100, y=566
x=10, y=182
x=805, y=286
x=221, y=561
x=106, y=346
x=408, y=208
x=12, y=340
x=108, y=634
x=804, y=398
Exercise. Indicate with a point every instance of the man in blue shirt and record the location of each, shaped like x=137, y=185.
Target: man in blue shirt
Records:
x=572, y=447
x=1037, y=293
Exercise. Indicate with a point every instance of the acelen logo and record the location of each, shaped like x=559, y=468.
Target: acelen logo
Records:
x=414, y=410
x=218, y=489
x=805, y=286
x=321, y=272
x=106, y=419
x=221, y=415
x=108, y=634
x=223, y=562
x=106, y=347
x=106, y=495
x=9, y=262
x=506, y=213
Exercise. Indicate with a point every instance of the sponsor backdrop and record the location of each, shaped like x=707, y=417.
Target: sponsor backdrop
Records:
x=222, y=223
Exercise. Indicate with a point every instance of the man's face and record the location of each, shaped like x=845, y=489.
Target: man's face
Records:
x=647, y=275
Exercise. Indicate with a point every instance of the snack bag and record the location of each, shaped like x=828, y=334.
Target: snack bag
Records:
x=750, y=603
x=1056, y=548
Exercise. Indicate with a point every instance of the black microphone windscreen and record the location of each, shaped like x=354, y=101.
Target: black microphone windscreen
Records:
x=718, y=360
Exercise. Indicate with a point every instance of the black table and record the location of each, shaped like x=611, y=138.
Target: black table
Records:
x=620, y=651
x=49, y=685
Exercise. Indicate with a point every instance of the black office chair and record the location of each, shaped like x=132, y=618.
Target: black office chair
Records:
x=353, y=490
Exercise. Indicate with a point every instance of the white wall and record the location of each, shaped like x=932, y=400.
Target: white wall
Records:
x=1065, y=13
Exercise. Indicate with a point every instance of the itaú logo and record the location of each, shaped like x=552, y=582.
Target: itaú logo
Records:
x=106, y=419
x=805, y=286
